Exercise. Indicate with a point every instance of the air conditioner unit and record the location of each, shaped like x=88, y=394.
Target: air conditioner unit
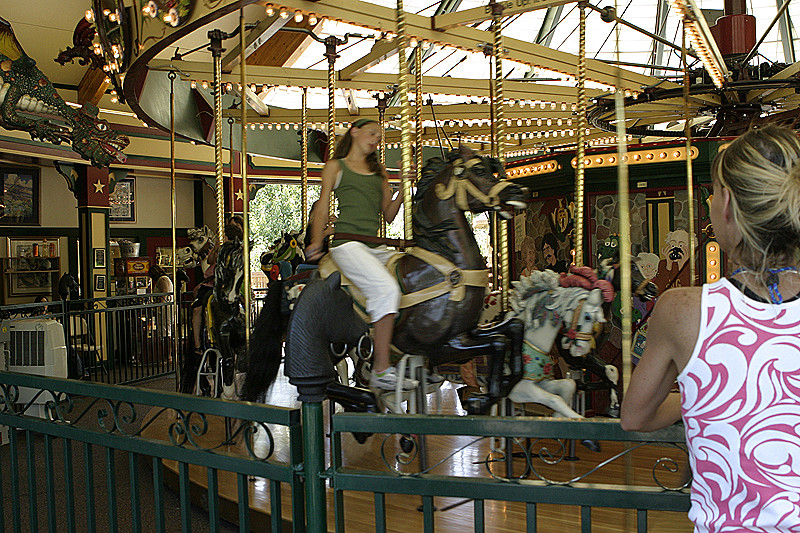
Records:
x=34, y=346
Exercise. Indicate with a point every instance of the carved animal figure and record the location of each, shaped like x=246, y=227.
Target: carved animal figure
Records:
x=225, y=316
x=547, y=304
x=288, y=248
x=82, y=46
x=25, y=93
x=446, y=262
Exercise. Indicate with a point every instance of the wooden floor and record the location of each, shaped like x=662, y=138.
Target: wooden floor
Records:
x=455, y=515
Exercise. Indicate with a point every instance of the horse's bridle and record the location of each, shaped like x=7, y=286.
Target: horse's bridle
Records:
x=461, y=187
x=572, y=334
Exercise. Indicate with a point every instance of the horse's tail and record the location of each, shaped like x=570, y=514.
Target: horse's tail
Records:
x=266, y=340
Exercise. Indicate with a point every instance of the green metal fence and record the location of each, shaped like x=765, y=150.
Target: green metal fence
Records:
x=65, y=472
x=92, y=423
x=539, y=449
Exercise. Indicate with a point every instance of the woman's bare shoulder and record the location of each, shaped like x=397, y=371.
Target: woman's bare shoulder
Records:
x=676, y=319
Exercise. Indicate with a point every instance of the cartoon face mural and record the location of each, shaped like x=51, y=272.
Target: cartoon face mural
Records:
x=608, y=249
x=676, y=248
x=648, y=264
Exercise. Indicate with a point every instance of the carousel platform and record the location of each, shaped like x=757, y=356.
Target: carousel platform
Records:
x=452, y=515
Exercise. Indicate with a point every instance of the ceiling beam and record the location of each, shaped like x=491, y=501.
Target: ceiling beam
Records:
x=479, y=14
x=384, y=19
x=259, y=35
x=514, y=90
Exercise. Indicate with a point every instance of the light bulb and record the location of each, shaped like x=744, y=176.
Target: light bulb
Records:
x=270, y=10
x=312, y=19
x=284, y=14
x=298, y=16
x=89, y=15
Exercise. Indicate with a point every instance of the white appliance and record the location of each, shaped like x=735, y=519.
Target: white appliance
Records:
x=34, y=346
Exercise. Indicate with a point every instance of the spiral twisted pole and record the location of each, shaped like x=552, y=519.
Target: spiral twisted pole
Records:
x=220, y=179
x=499, y=119
x=418, y=111
x=581, y=151
x=405, y=119
x=304, y=157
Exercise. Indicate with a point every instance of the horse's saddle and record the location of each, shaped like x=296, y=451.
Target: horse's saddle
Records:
x=455, y=280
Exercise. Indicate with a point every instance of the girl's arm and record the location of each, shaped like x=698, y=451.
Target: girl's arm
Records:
x=390, y=206
x=671, y=336
x=322, y=210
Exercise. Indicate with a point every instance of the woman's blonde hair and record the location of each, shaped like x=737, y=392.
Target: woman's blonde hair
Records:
x=761, y=169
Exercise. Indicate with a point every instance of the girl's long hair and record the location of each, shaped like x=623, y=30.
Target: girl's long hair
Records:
x=346, y=142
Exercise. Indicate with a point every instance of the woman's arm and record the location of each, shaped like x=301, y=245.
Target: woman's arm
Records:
x=322, y=210
x=671, y=336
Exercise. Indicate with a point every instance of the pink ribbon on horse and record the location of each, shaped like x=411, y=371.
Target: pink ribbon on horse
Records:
x=586, y=278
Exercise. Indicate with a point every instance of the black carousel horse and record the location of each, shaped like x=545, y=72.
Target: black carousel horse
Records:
x=225, y=324
x=445, y=262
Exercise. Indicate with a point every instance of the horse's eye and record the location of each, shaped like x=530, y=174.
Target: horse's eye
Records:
x=587, y=316
x=613, y=244
x=102, y=127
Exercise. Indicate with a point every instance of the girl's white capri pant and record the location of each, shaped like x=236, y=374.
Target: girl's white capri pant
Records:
x=366, y=268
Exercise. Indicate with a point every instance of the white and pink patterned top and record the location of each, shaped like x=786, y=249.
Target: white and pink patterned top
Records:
x=741, y=407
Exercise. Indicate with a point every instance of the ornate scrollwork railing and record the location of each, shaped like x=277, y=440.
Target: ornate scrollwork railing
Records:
x=138, y=418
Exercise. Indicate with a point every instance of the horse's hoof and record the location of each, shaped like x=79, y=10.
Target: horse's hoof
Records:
x=361, y=438
x=591, y=445
x=478, y=404
x=406, y=444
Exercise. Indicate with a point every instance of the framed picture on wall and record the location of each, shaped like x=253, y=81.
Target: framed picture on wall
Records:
x=33, y=265
x=99, y=258
x=19, y=196
x=99, y=282
x=123, y=201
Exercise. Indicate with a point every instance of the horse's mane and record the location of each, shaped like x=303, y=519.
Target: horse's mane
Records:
x=432, y=169
x=543, y=290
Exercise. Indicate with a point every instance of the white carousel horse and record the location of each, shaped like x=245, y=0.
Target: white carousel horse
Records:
x=544, y=301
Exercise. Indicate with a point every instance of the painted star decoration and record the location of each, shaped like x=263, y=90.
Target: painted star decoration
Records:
x=240, y=195
x=98, y=186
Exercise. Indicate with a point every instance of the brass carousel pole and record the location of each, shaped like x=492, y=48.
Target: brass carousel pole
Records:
x=418, y=110
x=245, y=185
x=216, y=49
x=304, y=159
x=383, y=101
x=689, y=173
x=173, y=220
x=499, y=129
x=625, y=249
x=330, y=53
x=580, y=152
x=624, y=223
x=405, y=119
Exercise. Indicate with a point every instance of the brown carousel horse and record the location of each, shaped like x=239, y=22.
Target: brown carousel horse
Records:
x=443, y=279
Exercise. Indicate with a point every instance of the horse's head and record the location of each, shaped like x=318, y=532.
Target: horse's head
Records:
x=200, y=238
x=475, y=182
x=185, y=257
x=585, y=294
x=288, y=248
x=229, y=272
x=581, y=314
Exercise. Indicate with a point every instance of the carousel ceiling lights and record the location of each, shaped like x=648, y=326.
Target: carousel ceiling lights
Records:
x=703, y=41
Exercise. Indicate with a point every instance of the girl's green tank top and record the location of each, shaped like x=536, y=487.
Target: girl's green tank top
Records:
x=359, y=197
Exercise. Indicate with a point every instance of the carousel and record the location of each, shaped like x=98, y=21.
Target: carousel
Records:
x=594, y=175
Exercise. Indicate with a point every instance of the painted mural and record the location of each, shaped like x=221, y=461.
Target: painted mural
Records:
x=544, y=240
